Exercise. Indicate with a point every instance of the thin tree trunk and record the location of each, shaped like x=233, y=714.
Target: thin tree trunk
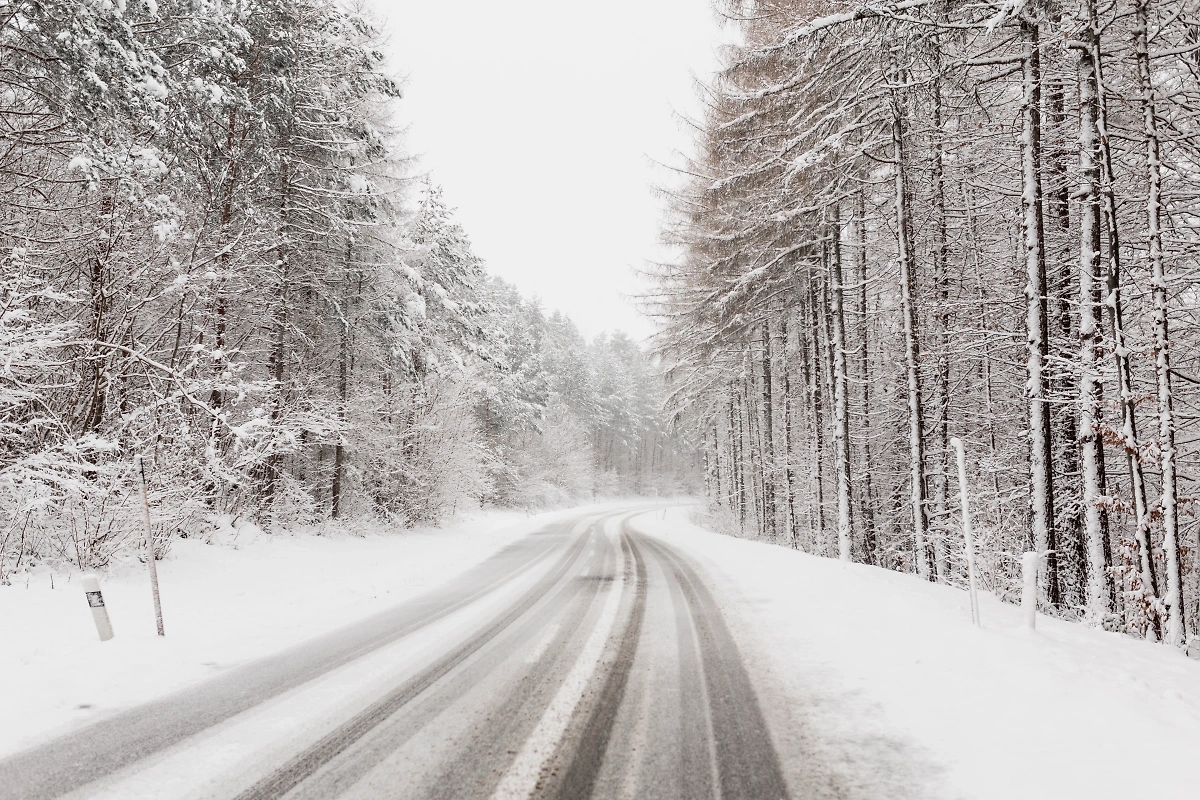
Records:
x=867, y=498
x=841, y=400
x=767, y=426
x=811, y=350
x=776, y=341
x=96, y=364
x=1113, y=301
x=912, y=351
x=217, y=396
x=1061, y=383
x=339, y=452
x=279, y=323
x=735, y=434
x=941, y=282
x=1041, y=478
x=796, y=397
x=826, y=362
x=1176, y=622
x=1099, y=586
x=759, y=453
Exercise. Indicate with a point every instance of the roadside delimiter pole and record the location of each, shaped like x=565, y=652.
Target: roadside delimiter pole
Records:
x=1030, y=563
x=95, y=601
x=957, y=444
x=140, y=469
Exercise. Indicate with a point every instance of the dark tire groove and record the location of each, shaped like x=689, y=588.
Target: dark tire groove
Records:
x=572, y=598
x=102, y=748
x=747, y=763
x=330, y=746
x=580, y=776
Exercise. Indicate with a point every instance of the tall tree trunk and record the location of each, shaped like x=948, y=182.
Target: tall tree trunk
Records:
x=767, y=426
x=759, y=454
x=1099, y=587
x=795, y=405
x=279, y=326
x=1176, y=622
x=811, y=351
x=91, y=410
x=912, y=350
x=1114, y=303
x=841, y=400
x=826, y=362
x=867, y=496
x=220, y=304
x=712, y=464
x=776, y=341
x=968, y=196
x=941, y=282
x=339, y=452
x=736, y=464
x=1041, y=476
x=1061, y=383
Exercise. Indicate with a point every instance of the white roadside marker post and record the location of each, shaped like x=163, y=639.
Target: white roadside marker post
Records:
x=140, y=468
x=1029, y=575
x=957, y=444
x=95, y=601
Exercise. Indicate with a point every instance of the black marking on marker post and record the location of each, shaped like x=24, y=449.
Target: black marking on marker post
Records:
x=95, y=599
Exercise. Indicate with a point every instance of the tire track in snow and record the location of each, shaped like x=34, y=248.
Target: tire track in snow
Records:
x=748, y=765
x=105, y=747
x=580, y=777
x=529, y=768
x=302, y=766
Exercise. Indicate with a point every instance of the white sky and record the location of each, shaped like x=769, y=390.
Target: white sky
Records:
x=542, y=120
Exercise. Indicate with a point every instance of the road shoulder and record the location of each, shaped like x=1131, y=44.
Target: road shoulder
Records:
x=224, y=606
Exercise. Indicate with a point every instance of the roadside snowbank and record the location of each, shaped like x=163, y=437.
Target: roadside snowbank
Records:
x=223, y=605
x=871, y=658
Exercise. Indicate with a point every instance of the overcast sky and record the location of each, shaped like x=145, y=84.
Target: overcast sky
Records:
x=542, y=120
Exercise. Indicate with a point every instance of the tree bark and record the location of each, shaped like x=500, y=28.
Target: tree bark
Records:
x=1114, y=303
x=867, y=495
x=810, y=350
x=1176, y=622
x=339, y=452
x=1099, y=585
x=941, y=282
x=841, y=400
x=776, y=341
x=1041, y=478
x=912, y=350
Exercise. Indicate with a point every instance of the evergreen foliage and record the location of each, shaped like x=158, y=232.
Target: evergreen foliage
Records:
x=910, y=221
x=215, y=255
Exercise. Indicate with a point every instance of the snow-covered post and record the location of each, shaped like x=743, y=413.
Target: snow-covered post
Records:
x=957, y=444
x=1030, y=563
x=140, y=468
x=95, y=601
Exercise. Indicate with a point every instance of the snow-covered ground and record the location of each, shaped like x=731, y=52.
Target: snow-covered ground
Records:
x=877, y=677
x=874, y=667
x=223, y=604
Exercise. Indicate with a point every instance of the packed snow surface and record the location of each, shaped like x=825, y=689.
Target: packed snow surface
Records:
x=877, y=679
x=872, y=667
x=244, y=595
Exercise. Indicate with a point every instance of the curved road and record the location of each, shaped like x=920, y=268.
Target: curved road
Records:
x=585, y=660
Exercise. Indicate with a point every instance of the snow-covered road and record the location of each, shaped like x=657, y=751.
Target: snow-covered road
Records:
x=583, y=660
x=620, y=652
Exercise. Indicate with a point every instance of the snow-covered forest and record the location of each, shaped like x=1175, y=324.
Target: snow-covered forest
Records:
x=217, y=254
x=901, y=223
x=906, y=222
